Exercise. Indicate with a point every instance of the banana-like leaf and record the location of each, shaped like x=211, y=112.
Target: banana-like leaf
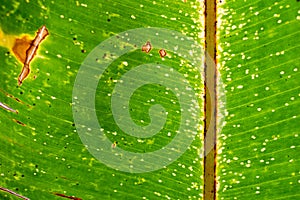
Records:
x=113, y=105
x=258, y=155
x=60, y=135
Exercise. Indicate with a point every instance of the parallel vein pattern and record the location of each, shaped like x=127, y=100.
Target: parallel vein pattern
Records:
x=259, y=157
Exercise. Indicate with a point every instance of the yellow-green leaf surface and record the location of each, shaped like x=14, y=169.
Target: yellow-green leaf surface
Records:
x=49, y=143
x=259, y=145
x=42, y=155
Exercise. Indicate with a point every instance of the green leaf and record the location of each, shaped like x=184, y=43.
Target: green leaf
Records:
x=50, y=141
x=259, y=156
x=45, y=157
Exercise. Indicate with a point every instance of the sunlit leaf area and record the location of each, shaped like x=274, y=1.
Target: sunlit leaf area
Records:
x=105, y=99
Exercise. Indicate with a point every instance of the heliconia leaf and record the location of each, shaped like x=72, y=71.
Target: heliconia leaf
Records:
x=258, y=155
x=111, y=99
x=53, y=148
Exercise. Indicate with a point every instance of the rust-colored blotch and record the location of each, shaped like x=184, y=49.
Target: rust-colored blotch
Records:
x=147, y=47
x=20, y=47
x=162, y=53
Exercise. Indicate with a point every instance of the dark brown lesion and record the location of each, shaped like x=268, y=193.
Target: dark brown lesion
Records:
x=19, y=122
x=25, y=50
x=68, y=197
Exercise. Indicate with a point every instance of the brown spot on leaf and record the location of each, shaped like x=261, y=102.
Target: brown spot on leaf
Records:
x=162, y=53
x=14, y=98
x=68, y=197
x=147, y=47
x=19, y=122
